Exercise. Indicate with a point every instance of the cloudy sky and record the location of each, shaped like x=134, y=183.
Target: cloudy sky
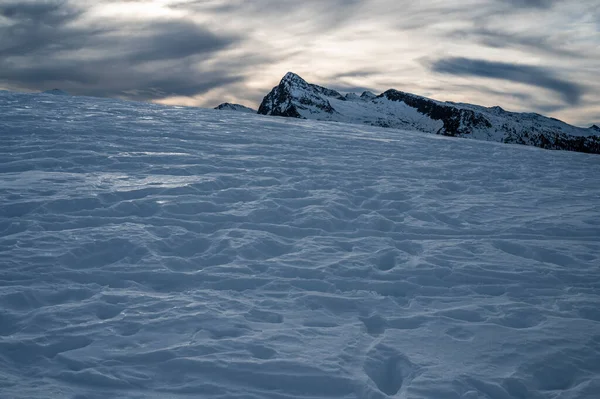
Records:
x=525, y=55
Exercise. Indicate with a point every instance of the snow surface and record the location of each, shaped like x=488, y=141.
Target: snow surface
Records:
x=168, y=252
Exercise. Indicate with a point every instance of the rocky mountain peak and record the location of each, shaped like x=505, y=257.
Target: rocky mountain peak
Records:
x=292, y=79
x=294, y=97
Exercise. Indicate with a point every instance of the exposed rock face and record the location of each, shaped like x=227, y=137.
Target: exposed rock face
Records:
x=456, y=121
x=235, y=107
x=294, y=94
x=294, y=97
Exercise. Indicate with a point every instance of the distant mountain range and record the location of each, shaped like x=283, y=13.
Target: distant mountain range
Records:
x=235, y=107
x=296, y=98
x=56, y=92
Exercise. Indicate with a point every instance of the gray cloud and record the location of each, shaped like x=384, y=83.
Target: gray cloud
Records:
x=418, y=15
x=307, y=14
x=507, y=40
x=544, y=4
x=35, y=27
x=202, y=52
x=357, y=73
x=570, y=92
x=40, y=49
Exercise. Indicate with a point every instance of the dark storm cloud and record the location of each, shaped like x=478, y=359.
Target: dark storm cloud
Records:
x=570, y=92
x=40, y=49
x=171, y=40
x=34, y=27
x=52, y=12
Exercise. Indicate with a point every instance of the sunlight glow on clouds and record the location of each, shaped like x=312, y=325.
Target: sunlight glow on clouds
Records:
x=535, y=55
x=132, y=10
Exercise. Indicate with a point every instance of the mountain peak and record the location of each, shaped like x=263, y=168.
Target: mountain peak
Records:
x=292, y=76
x=293, y=79
x=595, y=127
x=295, y=97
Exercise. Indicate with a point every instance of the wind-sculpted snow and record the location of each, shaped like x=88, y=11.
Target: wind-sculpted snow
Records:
x=156, y=252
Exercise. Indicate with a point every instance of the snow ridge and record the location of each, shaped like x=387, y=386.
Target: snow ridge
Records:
x=294, y=97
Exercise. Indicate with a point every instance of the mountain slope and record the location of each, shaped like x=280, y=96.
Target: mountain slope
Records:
x=294, y=97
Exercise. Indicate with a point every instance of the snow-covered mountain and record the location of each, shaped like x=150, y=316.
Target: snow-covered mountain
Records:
x=235, y=107
x=175, y=253
x=294, y=97
x=56, y=92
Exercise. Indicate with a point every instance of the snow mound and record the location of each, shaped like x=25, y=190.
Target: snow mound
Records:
x=171, y=252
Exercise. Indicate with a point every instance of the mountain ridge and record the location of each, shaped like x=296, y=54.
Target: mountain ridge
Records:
x=295, y=97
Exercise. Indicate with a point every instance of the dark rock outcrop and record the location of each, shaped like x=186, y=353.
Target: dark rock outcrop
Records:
x=293, y=94
x=456, y=121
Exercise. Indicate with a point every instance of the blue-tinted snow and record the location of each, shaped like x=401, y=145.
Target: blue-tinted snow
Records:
x=155, y=252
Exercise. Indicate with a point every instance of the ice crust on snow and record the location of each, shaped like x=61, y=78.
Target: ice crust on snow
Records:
x=169, y=252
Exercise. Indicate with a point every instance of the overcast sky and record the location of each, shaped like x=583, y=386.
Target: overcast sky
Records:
x=530, y=55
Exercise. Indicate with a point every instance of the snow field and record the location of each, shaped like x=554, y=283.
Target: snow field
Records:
x=164, y=252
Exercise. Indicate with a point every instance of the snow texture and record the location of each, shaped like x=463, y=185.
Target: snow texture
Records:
x=294, y=97
x=169, y=252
